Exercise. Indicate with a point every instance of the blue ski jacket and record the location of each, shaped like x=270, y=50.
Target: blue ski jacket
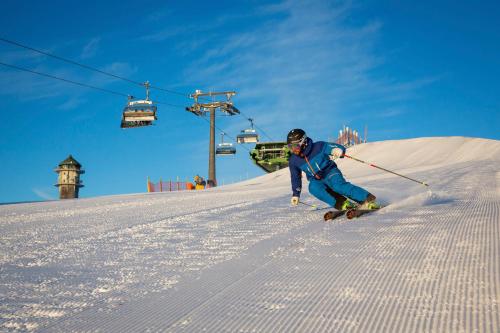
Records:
x=315, y=161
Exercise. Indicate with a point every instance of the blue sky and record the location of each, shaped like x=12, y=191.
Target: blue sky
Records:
x=403, y=69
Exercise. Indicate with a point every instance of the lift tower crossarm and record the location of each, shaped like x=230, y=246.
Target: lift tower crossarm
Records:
x=200, y=109
x=199, y=93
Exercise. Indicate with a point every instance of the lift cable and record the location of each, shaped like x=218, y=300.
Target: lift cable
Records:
x=260, y=129
x=78, y=83
x=89, y=67
x=225, y=133
x=63, y=79
x=168, y=104
x=101, y=72
x=92, y=87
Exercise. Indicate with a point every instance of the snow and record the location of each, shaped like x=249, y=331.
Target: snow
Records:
x=238, y=258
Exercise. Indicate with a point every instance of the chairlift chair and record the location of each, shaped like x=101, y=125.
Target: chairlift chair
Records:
x=138, y=113
x=248, y=135
x=225, y=148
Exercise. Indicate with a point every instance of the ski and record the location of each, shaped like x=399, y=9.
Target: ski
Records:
x=350, y=213
x=333, y=214
x=353, y=213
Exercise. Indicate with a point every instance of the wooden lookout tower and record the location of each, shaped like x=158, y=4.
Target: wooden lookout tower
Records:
x=69, y=181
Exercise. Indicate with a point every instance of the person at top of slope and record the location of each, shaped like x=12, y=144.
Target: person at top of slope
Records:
x=326, y=182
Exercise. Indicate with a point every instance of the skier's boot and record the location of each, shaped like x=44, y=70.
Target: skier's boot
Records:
x=347, y=205
x=342, y=203
x=369, y=203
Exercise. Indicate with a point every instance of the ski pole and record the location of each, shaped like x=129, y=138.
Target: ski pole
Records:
x=306, y=204
x=394, y=173
x=313, y=206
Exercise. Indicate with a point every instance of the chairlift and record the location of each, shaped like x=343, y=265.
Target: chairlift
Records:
x=139, y=112
x=248, y=135
x=225, y=148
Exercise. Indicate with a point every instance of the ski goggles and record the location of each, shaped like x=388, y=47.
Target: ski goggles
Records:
x=296, y=147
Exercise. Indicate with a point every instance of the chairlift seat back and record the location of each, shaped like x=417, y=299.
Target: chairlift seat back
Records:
x=247, y=136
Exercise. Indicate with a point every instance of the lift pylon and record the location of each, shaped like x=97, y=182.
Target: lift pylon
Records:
x=200, y=109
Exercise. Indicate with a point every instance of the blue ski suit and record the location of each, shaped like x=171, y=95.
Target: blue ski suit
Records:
x=322, y=173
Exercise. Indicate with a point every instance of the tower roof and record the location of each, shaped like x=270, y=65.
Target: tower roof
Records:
x=70, y=161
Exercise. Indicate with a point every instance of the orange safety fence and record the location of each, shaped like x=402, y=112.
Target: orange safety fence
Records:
x=169, y=186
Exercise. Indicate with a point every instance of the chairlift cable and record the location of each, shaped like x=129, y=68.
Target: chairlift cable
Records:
x=98, y=71
x=80, y=84
x=262, y=131
x=169, y=104
x=225, y=133
x=70, y=61
x=89, y=67
x=63, y=79
x=253, y=122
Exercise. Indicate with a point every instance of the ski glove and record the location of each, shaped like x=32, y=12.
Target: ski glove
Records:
x=294, y=201
x=337, y=153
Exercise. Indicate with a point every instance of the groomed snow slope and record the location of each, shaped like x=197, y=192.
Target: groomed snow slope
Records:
x=239, y=259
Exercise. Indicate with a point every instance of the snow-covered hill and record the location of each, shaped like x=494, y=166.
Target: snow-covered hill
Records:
x=238, y=258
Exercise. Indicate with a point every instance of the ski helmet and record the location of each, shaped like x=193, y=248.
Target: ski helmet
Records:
x=296, y=136
x=296, y=140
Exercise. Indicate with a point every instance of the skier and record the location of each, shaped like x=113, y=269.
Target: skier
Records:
x=326, y=182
